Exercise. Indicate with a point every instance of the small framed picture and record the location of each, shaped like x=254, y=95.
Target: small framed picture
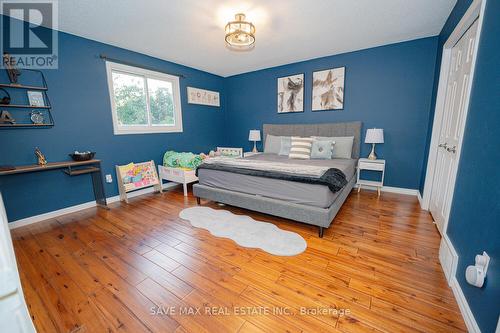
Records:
x=35, y=98
x=203, y=97
x=291, y=93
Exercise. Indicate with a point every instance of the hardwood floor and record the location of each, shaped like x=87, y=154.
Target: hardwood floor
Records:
x=135, y=267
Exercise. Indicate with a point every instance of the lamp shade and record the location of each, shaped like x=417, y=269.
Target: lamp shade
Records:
x=254, y=135
x=374, y=135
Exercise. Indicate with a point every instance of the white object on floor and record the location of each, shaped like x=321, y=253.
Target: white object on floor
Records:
x=245, y=231
x=475, y=274
x=177, y=175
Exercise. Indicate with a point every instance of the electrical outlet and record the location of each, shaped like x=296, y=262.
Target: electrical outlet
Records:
x=109, y=179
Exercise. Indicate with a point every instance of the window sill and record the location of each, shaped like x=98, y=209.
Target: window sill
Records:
x=147, y=131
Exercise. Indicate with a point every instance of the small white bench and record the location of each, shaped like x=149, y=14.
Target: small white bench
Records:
x=177, y=175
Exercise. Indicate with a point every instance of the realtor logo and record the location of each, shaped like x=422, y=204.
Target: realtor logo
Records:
x=29, y=33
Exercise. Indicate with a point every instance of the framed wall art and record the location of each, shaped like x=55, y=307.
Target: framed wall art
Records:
x=328, y=89
x=35, y=98
x=203, y=97
x=291, y=93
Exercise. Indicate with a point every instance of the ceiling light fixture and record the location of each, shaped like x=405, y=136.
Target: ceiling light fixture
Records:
x=240, y=34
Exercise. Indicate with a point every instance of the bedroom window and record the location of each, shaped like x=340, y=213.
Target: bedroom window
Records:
x=143, y=101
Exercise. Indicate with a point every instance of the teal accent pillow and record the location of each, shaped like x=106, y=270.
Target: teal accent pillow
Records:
x=342, y=145
x=322, y=149
x=286, y=145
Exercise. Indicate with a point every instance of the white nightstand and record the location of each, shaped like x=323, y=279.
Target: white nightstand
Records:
x=373, y=165
x=249, y=153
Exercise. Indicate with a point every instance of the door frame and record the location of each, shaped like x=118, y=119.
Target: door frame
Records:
x=475, y=12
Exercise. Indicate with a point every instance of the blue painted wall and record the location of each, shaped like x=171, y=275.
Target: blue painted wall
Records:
x=458, y=11
x=79, y=95
x=474, y=223
x=387, y=87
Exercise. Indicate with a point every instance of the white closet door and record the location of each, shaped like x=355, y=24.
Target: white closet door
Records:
x=451, y=127
x=14, y=316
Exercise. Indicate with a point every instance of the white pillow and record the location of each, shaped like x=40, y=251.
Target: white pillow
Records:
x=301, y=148
x=272, y=144
x=343, y=145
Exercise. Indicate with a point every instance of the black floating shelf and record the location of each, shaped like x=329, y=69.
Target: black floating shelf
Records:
x=25, y=125
x=81, y=171
x=23, y=106
x=20, y=86
x=43, y=88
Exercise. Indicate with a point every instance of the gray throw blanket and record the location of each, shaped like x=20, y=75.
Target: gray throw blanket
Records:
x=331, y=177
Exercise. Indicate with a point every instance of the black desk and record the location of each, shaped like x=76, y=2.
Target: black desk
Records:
x=71, y=168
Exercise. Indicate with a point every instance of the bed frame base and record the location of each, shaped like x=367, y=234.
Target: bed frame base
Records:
x=321, y=217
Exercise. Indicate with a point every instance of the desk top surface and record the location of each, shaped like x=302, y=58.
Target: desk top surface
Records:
x=48, y=166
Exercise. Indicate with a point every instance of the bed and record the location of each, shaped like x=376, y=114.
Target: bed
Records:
x=314, y=204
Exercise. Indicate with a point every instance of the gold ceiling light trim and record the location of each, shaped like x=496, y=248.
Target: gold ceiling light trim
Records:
x=240, y=33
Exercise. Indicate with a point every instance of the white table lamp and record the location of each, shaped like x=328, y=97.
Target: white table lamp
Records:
x=373, y=136
x=254, y=136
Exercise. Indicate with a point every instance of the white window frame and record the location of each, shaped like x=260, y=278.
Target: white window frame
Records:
x=145, y=73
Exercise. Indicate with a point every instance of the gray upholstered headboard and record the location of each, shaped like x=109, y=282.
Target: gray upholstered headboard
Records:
x=329, y=129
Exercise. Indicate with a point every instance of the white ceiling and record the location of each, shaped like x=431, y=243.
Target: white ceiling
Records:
x=191, y=32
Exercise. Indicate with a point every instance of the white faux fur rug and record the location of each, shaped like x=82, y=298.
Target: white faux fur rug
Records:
x=245, y=231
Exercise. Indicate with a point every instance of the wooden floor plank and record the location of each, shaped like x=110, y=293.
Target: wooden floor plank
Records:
x=109, y=270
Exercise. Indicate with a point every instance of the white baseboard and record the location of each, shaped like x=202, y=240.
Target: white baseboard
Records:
x=465, y=310
x=390, y=189
x=449, y=261
x=50, y=215
x=421, y=201
x=76, y=208
x=448, y=258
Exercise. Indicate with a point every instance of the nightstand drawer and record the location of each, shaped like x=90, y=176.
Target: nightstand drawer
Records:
x=371, y=166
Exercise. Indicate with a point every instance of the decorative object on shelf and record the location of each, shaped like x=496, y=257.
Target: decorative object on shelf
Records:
x=85, y=156
x=41, y=158
x=12, y=71
x=134, y=176
x=328, y=89
x=203, y=97
x=38, y=99
x=373, y=136
x=35, y=98
x=6, y=118
x=6, y=98
x=254, y=136
x=37, y=117
x=240, y=34
x=291, y=93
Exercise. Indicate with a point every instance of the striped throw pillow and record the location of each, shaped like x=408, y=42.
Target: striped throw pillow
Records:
x=301, y=148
